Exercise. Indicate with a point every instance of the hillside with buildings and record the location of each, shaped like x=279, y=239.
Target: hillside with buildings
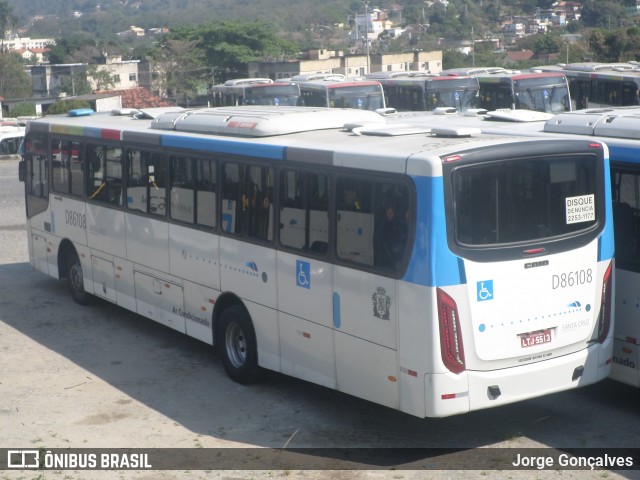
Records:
x=352, y=40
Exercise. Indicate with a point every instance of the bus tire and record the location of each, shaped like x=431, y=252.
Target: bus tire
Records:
x=238, y=346
x=75, y=281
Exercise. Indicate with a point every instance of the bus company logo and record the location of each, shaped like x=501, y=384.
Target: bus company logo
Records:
x=381, y=304
x=576, y=325
x=23, y=459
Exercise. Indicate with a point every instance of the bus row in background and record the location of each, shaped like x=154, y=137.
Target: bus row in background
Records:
x=551, y=89
x=596, y=85
x=619, y=129
x=320, y=90
x=403, y=91
x=413, y=267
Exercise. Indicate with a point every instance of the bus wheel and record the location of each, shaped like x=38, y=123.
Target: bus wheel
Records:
x=238, y=346
x=76, y=282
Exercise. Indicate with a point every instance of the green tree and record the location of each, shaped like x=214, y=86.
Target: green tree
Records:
x=102, y=79
x=618, y=45
x=63, y=106
x=23, y=110
x=14, y=82
x=7, y=20
x=184, y=69
x=226, y=47
x=546, y=44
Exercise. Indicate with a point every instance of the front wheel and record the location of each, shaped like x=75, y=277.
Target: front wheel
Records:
x=75, y=280
x=238, y=346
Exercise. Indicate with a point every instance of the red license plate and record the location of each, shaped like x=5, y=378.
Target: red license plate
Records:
x=535, y=338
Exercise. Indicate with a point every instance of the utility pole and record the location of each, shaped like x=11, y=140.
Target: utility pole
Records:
x=366, y=31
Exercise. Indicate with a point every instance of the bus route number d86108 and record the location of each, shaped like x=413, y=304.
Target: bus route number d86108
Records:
x=572, y=279
x=75, y=219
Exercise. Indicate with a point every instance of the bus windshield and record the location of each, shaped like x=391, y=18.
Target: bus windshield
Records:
x=364, y=97
x=525, y=200
x=272, y=94
x=551, y=99
x=462, y=100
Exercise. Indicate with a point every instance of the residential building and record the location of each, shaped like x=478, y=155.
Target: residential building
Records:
x=323, y=61
x=54, y=80
x=123, y=73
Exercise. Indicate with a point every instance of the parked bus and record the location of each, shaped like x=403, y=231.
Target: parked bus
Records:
x=255, y=91
x=427, y=93
x=342, y=93
x=429, y=273
x=618, y=128
x=597, y=85
x=538, y=91
x=11, y=137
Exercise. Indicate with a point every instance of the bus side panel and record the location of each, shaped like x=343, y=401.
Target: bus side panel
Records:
x=69, y=217
x=415, y=345
x=198, y=311
x=103, y=274
x=304, y=288
x=39, y=248
x=194, y=255
x=365, y=319
x=626, y=363
x=160, y=300
x=106, y=230
x=307, y=350
x=367, y=370
x=249, y=271
x=125, y=288
x=305, y=318
x=147, y=241
x=265, y=324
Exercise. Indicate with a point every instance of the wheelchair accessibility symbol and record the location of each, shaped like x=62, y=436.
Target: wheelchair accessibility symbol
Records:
x=484, y=290
x=303, y=274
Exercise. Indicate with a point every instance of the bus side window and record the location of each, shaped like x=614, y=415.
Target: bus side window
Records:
x=355, y=221
x=146, y=183
x=206, y=185
x=247, y=208
x=37, y=174
x=304, y=211
x=104, y=180
x=392, y=225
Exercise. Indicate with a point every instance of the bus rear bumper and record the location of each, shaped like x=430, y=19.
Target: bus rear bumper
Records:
x=475, y=390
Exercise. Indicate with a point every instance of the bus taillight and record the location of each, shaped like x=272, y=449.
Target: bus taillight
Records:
x=451, y=347
x=604, y=319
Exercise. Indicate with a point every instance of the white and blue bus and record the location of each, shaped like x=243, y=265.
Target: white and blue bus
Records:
x=619, y=129
x=432, y=273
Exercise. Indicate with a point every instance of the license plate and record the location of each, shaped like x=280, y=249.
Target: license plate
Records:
x=535, y=338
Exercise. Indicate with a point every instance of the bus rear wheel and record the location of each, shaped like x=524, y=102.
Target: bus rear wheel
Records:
x=238, y=346
x=75, y=280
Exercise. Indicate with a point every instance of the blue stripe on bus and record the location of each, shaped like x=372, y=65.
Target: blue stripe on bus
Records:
x=92, y=132
x=432, y=263
x=337, y=320
x=215, y=145
x=606, y=248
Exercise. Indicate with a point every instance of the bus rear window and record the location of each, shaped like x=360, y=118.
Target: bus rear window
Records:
x=524, y=201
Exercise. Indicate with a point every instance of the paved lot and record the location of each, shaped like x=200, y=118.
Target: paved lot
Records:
x=102, y=377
